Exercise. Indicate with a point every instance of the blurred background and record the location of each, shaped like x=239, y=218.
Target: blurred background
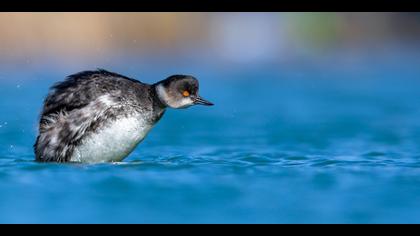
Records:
x=71, y=41
x=316, y=118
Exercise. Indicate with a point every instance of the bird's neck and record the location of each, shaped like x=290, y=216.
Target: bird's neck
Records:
x=159, y=94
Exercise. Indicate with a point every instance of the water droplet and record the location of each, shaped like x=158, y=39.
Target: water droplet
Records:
x=18, y=86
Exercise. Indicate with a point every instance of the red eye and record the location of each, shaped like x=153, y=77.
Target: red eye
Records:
x=185, y=93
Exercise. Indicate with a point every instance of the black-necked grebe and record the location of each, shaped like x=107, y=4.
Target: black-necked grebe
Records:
x=101, y=116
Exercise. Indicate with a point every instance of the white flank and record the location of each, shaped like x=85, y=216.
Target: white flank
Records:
x=113, y=142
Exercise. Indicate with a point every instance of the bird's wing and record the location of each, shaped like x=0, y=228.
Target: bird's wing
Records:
x=71, y=108
x=77, y=91
x=60, y=133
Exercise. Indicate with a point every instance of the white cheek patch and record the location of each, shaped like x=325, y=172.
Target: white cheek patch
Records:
x=164, y=97
x=185, y=102
x=162, y=94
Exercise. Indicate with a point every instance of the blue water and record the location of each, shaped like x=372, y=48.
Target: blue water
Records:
x=301, y=145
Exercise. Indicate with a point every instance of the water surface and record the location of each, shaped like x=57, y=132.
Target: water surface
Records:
x=296, y=146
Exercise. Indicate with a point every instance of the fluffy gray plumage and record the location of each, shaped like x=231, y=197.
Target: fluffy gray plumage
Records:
x=64, y=119
x=102, y=102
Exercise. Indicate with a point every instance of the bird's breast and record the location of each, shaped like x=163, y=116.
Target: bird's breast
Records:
x=113, y=142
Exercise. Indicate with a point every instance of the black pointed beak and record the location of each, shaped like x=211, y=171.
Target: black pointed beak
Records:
x=200, y=101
